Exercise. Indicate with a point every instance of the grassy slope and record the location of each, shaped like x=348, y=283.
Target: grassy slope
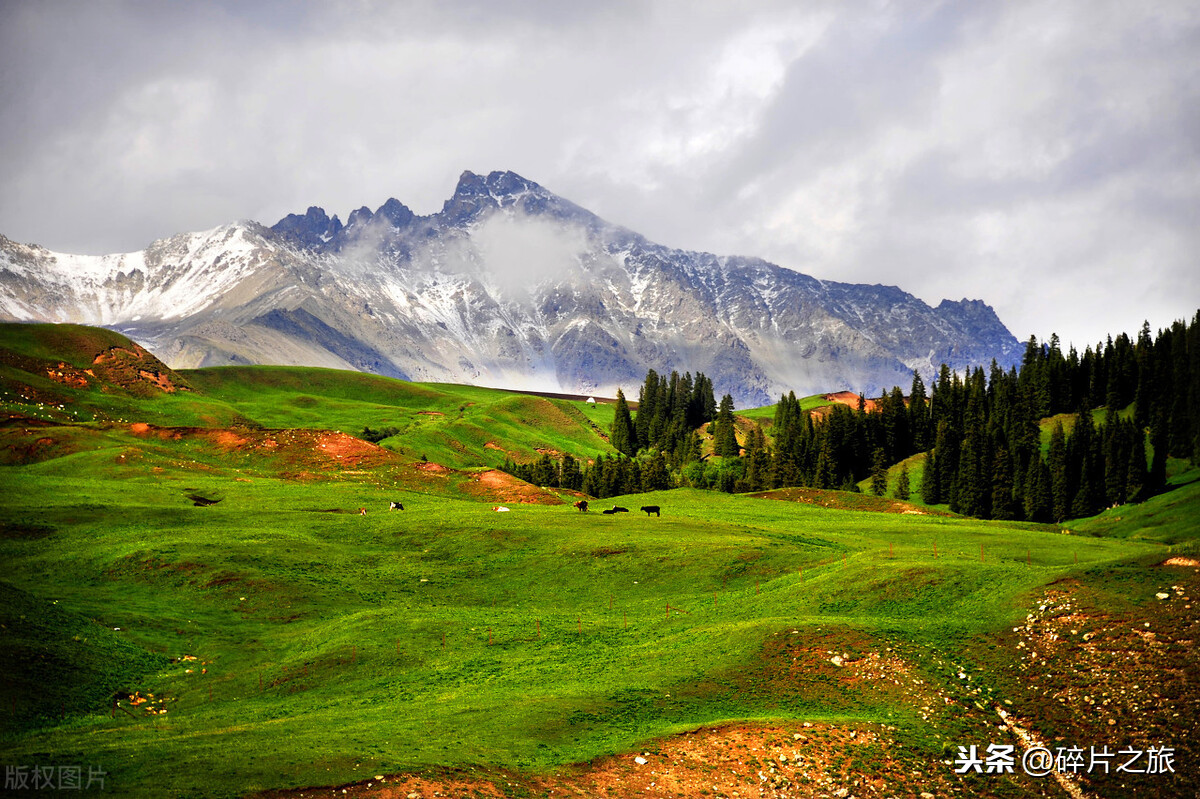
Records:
x=448, y=424
x=342, y=616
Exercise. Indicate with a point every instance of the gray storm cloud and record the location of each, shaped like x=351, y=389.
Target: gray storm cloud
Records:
x=1042, y=155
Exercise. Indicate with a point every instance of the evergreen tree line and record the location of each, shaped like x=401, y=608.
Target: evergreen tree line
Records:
x=607, y=477
x=981, y=433
x=670, y=410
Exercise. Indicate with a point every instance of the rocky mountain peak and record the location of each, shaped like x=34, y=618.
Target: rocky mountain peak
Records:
x=579, y=305
x=360, y=217
x=396, y=212
x=310, y=230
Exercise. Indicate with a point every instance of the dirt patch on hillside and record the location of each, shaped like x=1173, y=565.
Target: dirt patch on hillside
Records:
x=229, y=440
x=297, y=450
x=1115, y=663
x=737, y=760
x=70, y=376
x=348, y=448
x=137, y=371
x=1181, y=561
x=500, y=486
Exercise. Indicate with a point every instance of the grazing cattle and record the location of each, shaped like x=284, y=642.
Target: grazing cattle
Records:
x=651, y=509
x=362, y=511
x=500, y=509
x=396, y=506
x=609, y=511
x=582, y=505
x=617, y=509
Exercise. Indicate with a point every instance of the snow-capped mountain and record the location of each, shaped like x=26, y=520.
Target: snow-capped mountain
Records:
x=508, y=285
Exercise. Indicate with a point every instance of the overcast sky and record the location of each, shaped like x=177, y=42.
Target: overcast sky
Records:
x=1041, y=156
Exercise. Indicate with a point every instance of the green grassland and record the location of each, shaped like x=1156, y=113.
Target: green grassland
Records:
x=287, y=641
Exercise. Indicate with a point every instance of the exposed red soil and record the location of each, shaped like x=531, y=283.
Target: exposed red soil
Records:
x=503, y=487
x=738, y=760
x=849, y=398
x=320, y=449
x=136, y=370
x=70, y=376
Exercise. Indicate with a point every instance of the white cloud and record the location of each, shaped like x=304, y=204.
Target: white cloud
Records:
x=954, y=149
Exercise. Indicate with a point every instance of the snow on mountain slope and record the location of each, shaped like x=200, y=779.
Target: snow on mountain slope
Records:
x=172, y=279
x=507, y=285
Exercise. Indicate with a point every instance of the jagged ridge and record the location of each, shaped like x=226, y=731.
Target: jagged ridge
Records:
x=507, y=285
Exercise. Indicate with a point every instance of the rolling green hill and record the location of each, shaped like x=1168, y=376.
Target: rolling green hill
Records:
x=279, y=639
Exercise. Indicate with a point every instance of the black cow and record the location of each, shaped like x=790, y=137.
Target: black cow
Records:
x=609, y=511
x=582, y=505
x=396, y=506
x=651, y=509
x=617, y=509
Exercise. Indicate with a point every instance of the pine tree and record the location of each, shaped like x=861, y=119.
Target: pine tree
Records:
x=545, y=473
x=879, y=470
x=1039, y=500
x=591, y=478
x=918, y=415
x=726, y=444
x=623, y=437
x=1059, y=482
x=1003, y=506
x=902, y=484
x=758, y=460
x=1136, y=472
x=569, y=475
x=930, y=489
x=655, y=476
x=825, y=474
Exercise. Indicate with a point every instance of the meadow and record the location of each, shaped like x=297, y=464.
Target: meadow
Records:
x=279, y=639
